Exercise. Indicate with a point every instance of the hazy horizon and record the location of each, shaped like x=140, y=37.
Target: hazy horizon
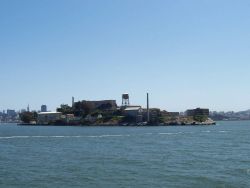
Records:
x=186, y=54
x=118, y=103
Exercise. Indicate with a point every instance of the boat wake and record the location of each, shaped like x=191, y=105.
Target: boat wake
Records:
x=88, y=136
x=170, y=133
x=107, y=135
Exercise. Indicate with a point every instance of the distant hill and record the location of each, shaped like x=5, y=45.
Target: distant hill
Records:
x=241, y=115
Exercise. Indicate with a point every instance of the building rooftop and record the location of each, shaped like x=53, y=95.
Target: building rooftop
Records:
x=50, y=113
x=132, y=108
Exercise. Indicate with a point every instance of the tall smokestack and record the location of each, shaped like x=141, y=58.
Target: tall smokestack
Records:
x=73, y=101
x=148, y=108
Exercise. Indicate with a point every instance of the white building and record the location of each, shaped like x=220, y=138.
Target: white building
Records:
x=47, y=117
x=133, y=111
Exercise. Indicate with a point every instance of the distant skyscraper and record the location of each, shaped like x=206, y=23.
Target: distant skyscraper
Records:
x=11, y=112
x=28, y=108
x=23, y=110
x=43, y=108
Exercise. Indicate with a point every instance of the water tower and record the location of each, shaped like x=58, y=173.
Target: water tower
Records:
x=125, y=99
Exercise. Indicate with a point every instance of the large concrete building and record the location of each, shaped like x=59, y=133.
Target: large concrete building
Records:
x=104, y=104
x=153, y=114
x=47, y=117
x=135, y=112
x=197, y=112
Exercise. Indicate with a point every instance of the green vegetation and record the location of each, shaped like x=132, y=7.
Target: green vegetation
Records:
x=28, y=117
x=65, y=109
x=89, y=114
x=200, y=118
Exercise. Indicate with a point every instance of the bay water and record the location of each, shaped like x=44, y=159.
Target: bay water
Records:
x=155, y=156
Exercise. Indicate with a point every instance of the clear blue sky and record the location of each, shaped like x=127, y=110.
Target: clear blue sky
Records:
x=186, y=54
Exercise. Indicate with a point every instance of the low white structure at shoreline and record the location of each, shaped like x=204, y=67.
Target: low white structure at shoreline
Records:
x=47, y=117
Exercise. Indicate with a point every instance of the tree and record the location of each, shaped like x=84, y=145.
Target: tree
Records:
x=27, y=117
x=83, y=108
x=200, y=118
x=65, y=109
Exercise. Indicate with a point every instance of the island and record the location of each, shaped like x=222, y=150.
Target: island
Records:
x=108, y=113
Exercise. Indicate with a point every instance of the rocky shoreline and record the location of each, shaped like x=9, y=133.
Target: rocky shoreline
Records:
x=174, y=123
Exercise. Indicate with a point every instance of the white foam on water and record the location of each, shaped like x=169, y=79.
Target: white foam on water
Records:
x=223, y=131
x=170, y=133
x=39, y=136
x=92, y=136
x=119, y=135
x=10, y=137
x=206, y=131
x=248, y=171
x=61, y=136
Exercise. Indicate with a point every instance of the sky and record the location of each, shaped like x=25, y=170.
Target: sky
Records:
x=186, y=54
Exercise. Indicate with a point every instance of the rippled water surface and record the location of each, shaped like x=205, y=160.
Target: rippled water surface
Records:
x=191, y=156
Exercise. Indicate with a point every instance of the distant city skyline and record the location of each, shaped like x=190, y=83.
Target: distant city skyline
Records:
x=186, y=54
